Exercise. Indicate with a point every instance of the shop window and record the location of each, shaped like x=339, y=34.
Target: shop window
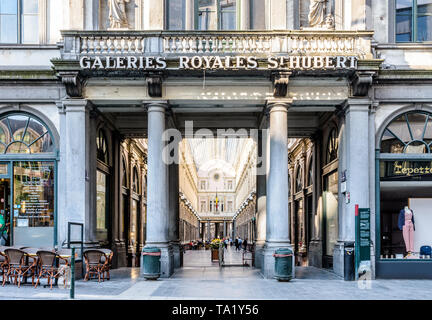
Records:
x=309, y=180
x=332, y=146
x=102, y=187
x=19, y=21
x=299, y=182
x=216, y=14
x=289, y=185
x=405, y=188
x=102, y=148
x=124, y=173
x=101, y=201
x=176, y=14
x=135, y=181
x=31, y=182
x=413, y=20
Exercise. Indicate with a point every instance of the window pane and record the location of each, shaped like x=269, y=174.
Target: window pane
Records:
x=176, y=15
x=30, y=6
x=101, y=188
x=30, y=26
x=404, y=20
x=424, y=6
x=228, y=14
x=424, y=28
x=8, y=6
x=207, y=15
x=8, y=29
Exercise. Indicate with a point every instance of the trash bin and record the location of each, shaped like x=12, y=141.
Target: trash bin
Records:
x=349, y=270
x=283, y=264
x=151, y=263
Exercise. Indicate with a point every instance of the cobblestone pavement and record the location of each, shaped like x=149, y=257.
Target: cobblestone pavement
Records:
x=202, y=279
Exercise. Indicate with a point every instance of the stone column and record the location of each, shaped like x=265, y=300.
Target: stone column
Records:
x=277, y=223
x=75, y=168
x=208, y=231
x=157, y=207
x=233, y=230
x=154, y=14
x=355, y=161
x=262, y=173
x=189, y=14
x=244, y=14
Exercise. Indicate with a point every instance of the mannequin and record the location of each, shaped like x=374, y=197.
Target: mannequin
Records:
x=406, y=224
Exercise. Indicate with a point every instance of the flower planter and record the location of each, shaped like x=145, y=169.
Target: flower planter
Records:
x=214, y=254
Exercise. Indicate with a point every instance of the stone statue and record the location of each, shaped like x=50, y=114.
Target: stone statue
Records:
x=117, y=14
x=317, y=12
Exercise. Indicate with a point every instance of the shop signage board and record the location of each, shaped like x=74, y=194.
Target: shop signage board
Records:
x=215, y=62
x=362, y=244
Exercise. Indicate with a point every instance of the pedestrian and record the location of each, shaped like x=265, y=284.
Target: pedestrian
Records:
x=231, y=242
x=3, y=229
x=245, y=244
x=236, y=243
x=240, y=243
x=226, y=243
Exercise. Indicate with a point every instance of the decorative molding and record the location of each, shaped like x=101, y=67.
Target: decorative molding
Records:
x=154, y=86
x=72, y=82
x=280, y=83
x=361, y=82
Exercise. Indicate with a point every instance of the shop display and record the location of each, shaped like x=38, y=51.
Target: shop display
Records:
x=406, y=224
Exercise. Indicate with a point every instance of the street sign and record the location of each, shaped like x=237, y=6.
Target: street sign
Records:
x=362, y=244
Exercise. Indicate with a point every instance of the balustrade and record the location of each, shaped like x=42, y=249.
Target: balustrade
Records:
x=202, y=43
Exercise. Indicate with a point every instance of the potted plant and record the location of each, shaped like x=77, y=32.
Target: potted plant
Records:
x=214, y=246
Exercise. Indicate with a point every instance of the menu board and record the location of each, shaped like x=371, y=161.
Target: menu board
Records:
x=34, y=193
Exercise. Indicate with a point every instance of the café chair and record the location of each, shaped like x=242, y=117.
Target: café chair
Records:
x=16, y=267
x=96, y=262
x=47, y=266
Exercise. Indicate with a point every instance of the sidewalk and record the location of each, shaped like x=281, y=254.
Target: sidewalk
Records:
x=199, y=279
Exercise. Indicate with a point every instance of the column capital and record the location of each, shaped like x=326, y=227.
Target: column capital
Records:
x=156, y=105
x=74, y=105
x=356, y=104
x=278, y=105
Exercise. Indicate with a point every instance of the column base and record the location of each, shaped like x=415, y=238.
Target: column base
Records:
x=177, y=255
x=315, y=254
x=166, y=260
x=338, y=258
x=268, y=261
x=259, y=246
x=120, y=254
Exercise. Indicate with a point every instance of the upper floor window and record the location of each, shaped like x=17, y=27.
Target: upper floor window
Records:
x=102, y=148
x=216, y=14
x=176, y=13
x=413, y=20
x=19, y=21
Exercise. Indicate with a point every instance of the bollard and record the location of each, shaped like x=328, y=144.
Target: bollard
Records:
x=72, y=284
